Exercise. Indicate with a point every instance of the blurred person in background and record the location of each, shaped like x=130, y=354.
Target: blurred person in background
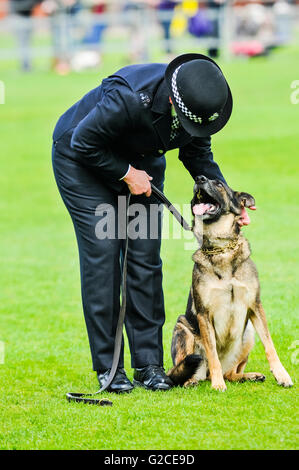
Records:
x=205, y=20
x=94, y=36
x=23, y=10
x=216, y=7
x=139, y=22
x=89, y=54
x=255, y=30
x=62, y=13
x=165, y=15
x=3, y=8
x=133, y=20
x=283, y=12
x=201, y=25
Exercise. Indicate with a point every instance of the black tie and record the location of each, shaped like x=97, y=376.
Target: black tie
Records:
x=175, y=126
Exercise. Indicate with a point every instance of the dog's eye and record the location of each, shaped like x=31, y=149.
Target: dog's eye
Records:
x=219, y=184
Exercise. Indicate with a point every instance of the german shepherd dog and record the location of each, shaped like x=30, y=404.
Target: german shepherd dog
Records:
x=215, y=336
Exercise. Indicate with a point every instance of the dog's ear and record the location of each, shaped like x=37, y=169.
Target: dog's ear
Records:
x=245, y=199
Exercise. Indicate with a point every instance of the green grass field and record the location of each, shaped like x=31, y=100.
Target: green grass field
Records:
x=41, y=322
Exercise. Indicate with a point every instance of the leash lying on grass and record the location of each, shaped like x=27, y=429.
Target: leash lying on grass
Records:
x=83, y=397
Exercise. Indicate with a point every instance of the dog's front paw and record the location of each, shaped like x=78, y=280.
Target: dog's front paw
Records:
x=282, y=377
x=190, y=383
x=219, y=385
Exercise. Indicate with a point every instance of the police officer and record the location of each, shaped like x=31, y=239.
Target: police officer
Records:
x=113, y=140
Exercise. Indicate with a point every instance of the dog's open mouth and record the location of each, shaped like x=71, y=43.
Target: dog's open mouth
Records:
x=205, y=205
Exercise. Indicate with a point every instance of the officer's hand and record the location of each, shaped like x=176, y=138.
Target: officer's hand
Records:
x=138, y=182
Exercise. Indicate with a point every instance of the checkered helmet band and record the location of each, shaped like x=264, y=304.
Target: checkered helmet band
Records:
x=181, y=103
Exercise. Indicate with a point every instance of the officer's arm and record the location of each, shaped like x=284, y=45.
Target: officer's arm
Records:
x=99, y=134
x=197, y=157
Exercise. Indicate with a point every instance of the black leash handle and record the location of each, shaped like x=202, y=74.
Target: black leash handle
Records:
x=83, y=397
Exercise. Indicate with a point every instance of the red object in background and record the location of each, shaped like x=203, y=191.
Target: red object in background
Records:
x=99, y=8
x=3, y=8
x=38, y=11
x=248, y=48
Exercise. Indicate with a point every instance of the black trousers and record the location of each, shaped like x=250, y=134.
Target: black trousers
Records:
x=85, y=193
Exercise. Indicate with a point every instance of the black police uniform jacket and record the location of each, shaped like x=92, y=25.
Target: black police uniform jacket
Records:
x=125, y=119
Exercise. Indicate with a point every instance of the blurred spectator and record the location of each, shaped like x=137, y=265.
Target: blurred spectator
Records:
x=166, y=9
x=260, y=28
x=253, y=19
x=94, y=37
x=200, y=25
x=62, y=13
x=90, y=56
x=207, y=23
x=217, y=7
x=255, y=30
x=137, y=19
x=183, y=14
x=283, y=20
x=249, y=28
x=3, y=8
x=23, y=10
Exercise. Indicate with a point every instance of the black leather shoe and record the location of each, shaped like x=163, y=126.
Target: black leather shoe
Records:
x=152, y=378
x=120, y=383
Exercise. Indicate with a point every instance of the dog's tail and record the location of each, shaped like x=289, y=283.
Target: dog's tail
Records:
x=183, y=371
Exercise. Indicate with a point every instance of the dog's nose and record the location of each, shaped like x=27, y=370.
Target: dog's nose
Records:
x=201, y=179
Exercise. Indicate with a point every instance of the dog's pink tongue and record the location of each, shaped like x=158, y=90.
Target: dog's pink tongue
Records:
x=245, y=219
x=200, y=209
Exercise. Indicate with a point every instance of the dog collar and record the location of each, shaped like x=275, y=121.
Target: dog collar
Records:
x=217, y=249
